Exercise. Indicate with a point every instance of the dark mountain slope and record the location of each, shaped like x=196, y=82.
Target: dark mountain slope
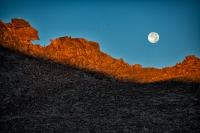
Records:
x=71, y=86
x=39, y=95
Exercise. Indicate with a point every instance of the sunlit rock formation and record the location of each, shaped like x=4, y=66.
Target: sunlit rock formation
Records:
x=86, y=54
x=17, y=34
x=22, y=30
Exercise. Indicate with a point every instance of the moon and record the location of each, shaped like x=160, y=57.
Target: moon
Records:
x=153, y=37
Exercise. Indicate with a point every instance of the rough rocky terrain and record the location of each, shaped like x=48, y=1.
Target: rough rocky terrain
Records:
x=41, y=93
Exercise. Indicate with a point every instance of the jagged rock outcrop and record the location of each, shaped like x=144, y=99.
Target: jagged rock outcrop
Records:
x=41, y=95
x=38, y=95
x=86, y=54
x=17, y=35
x=22, y=30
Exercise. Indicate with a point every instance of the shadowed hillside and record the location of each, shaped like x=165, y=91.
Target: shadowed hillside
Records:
x=43, y=92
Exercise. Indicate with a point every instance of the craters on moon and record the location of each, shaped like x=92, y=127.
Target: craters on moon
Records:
x=153, y=37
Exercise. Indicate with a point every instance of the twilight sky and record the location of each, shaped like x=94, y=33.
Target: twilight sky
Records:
x=121, y=27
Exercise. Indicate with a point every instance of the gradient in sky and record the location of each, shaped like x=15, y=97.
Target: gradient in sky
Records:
x=121, y=27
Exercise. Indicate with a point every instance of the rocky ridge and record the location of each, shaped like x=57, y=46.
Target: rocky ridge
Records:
x=85, y=54
x=48, y=95
x=39, y=95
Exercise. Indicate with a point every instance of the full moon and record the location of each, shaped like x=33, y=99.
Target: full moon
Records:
x=153, y=37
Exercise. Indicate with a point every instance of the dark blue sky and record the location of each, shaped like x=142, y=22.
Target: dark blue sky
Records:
x=121, y=27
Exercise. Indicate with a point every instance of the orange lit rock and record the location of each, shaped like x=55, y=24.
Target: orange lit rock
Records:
x=137, y=66
x=86, y=54
x=22, y=30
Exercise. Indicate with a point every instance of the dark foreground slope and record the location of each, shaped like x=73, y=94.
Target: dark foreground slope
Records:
x=39, y=95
